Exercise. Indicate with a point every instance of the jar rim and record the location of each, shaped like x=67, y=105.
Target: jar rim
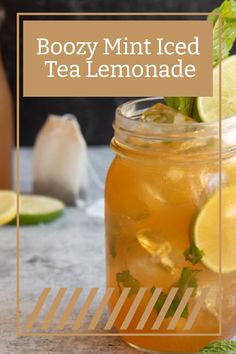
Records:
x=196, y=139
x=127, y=120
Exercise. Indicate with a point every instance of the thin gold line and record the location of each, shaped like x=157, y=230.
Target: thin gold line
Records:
x=66, y=314
x=34, y=315
x=74, y=14
x=109, y=334
x=180, y=309
x=149, y=308
x=220, y=170
x=133, y=308
x=120, y=302
x=100, y=309
x=116, y=14
x=79, y=320
x=51, y=313
x=165, y=308
x=196, y=309
x=17, y=180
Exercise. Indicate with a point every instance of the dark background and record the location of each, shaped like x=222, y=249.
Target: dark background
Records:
x=95, y=115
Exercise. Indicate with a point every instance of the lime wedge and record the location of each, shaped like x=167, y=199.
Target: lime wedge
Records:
x=208, y=107
x=35, y=209
x=7, y=206
x=206, y=231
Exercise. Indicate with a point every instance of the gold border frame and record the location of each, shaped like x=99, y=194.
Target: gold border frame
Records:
x=18, y=312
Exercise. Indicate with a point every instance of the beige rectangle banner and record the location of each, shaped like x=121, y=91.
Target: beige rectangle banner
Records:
x=117, y=58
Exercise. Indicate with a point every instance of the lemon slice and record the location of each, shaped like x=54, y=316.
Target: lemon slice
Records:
x=35, y=209
x=7, y=206
x=206, y=231
x=208, y=107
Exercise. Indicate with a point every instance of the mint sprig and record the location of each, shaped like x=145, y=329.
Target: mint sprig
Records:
x=187, y=105
x=220, y=347
x=228, y=29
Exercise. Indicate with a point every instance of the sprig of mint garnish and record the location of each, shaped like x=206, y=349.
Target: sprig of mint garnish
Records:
x=187, y=105
x=228, y=30
x=220, y=347
x=193, y=254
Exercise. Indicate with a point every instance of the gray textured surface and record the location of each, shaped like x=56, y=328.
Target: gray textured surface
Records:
x=67, y=253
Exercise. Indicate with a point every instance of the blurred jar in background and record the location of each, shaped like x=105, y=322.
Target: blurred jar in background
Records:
x=6, y=136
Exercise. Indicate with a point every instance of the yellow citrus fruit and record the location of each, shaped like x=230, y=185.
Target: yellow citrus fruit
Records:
x=7, y=206
x=208, y=107
x=206, y=231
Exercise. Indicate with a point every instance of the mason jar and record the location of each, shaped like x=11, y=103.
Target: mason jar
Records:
x=162, y=200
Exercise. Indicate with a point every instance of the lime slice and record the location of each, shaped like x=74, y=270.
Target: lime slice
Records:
x=35, y=209
x=208, y=107
x=206, y=231
x=7, y=206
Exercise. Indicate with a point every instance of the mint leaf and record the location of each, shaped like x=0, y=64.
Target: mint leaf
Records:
x=228, y=30
x=173, y=307
x=220, y=347
x=188, y=279
x=187, y=105
x=193, y=254
x=181, y=104
x=127, y=281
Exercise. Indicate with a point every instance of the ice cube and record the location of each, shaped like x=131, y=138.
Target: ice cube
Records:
x=158, y=249
x=161, y=113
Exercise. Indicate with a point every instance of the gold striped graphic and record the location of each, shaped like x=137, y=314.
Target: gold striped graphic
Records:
x=34, y=315
x=180, y=309
x=196, y=309
x=51, y=313
x=165, y=308
x=149, y=308
x=83, y=312
x=100, y=308
x=133, y=308
x=113, y=316
x=69, y=309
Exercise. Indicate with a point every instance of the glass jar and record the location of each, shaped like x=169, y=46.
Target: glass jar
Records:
x=162, y=176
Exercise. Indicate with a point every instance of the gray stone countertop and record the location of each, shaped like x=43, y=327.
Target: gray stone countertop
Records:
x=68, y=253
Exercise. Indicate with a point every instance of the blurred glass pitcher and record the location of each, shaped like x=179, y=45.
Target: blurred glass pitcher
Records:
x=6, y=115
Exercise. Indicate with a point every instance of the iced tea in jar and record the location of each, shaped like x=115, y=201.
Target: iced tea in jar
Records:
x=170, y=229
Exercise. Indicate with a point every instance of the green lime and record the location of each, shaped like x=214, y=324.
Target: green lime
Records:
x=206, y=231
x=35, y=209
x=208, y=107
